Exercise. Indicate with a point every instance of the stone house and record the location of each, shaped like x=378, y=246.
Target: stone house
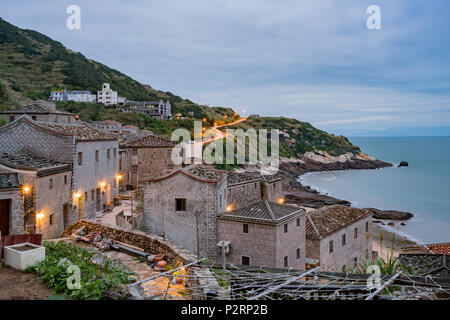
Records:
x=264, y=234
x=338, y=238
x=183, y=206
x=45, y=194
x=39, y=111
x=146, y=158
x=92, y=154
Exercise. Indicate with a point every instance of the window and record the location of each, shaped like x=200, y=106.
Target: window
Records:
x=11, y=118
x=355, y=262
x=297, y=253
x=134, y=169
x=245, y=261
x=367, y=226
x=331, y=246
x=115, y=153
x=256, y=187
x=52, y=219
x=68, y=119
x=92, y=194
x=180, y=204
x=245, y=228
x=86, y=196
x=80, y=158
x=65, y=179
x=285, y=228
x=343, y=239
x=50, y=183
x=297, y=223
x=355, y=233
x=96, y=155
x=286, y=261
x=34, y=118
x=343, y=268
x=108, y=154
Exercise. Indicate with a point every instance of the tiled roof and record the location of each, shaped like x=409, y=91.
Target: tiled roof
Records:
x=149, y=142
x=239, y=177
x=109, y=122
x=130, y=126
x=262, y=212
x=26, y=161
x=82, y=132
x=322, y=222
x=435, y=265
x=38, y=107
x=439, y=248
x=432, y=248
x=9, y=180
x=205, y=172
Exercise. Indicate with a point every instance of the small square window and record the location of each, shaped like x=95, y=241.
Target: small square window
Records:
x=331, y=244
x=52, y=219
x=245, y=228
x=297, y=253
x=285, y=228
x=180, y=204
x=11, y=118
x=34, y=118
x=245, y=261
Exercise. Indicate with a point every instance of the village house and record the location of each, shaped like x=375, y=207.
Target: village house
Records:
x=75, y=95
x=39, y=111
x=152, y=109
x=111, y=126
x=146, y=158
x=43, y=193
x=198, y=206
x=338, y=238
x=130, y=130
x=92, y=154
x=264, y=234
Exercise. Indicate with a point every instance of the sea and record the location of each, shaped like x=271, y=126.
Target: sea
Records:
x=422, y=188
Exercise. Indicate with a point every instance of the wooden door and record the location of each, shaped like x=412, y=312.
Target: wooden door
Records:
x=4, y=217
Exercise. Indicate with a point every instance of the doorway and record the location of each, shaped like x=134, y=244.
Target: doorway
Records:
x=66, y=215
x=4, y=217
x=98, y=200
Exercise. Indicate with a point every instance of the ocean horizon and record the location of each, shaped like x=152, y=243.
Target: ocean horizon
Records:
x=422, y=188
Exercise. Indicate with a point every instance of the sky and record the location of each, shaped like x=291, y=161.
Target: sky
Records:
x=315, y=61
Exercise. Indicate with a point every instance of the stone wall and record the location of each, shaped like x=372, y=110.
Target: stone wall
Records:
x=202, y=198
x=175, y=254
x=288, y=243
x=241, y=195
x=16, y=218
x=343, y=255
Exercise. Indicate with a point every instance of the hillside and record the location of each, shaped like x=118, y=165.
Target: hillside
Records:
x=32, y=64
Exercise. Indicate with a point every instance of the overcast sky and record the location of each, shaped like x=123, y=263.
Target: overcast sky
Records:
x=313, y=60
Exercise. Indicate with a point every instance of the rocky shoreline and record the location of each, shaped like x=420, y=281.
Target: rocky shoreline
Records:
x=296, y=193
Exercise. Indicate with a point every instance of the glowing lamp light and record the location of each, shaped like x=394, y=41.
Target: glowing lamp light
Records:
x=204, y=119
x=102, y=184
x=40, y=215
x=119, y=177
x=26, y=189
x=77, y=195
x=281, y=200
x=229, y=208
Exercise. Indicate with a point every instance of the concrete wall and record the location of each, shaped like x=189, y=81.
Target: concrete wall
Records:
x=361, y=248
x=162, y=218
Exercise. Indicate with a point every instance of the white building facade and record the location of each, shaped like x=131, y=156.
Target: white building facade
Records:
x=107, y=96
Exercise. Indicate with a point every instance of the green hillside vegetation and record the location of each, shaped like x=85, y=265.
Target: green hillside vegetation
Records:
x=303, y=137
x=32, y=64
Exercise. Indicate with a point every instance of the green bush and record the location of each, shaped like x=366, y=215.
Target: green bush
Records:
x=95, y=279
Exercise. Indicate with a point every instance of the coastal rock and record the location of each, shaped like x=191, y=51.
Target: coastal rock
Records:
x=312, y=200
x=403, y=164
x=390, y=214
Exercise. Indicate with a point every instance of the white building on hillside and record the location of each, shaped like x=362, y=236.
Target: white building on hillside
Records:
x=107, y=96
x=75, y=95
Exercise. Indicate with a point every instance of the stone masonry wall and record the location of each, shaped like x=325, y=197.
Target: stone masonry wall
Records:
x=241, y=195
x=16, y=218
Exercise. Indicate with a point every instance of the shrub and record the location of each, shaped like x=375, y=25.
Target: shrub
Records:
x=95, y=279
